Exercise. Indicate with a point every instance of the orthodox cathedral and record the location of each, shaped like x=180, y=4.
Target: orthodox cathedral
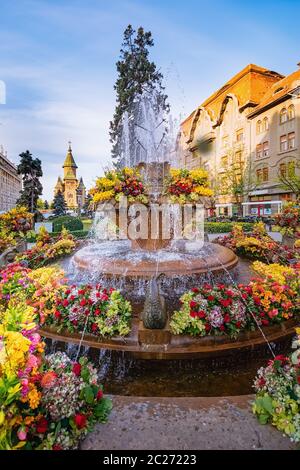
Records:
x=73, y=189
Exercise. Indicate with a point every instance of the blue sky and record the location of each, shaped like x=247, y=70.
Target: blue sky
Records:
x=57, y=58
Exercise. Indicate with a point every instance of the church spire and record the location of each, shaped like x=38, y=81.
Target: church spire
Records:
x=69, y=165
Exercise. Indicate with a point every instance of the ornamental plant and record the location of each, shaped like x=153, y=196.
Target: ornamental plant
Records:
x=187, y=186
x=277, y=388
x=95, y=310
x=257, y=244
x=116, y=184
x=38, y=288
x=45, y=402
x=211, y=310
x=17, y=220
x=47, y=250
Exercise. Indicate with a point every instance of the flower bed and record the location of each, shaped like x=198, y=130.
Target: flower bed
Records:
x=216, y=310
x=95, y=310
x=187, y=186
x=225, y=227
x=117, y=183
x=277, y=389
x=288, y=221
x=258, y=245
x=14, y=224
x=45, y=402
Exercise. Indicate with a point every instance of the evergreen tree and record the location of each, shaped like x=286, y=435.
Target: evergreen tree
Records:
x=31, y=171
x=46, y=205
x=137, y=75
x=59, y=204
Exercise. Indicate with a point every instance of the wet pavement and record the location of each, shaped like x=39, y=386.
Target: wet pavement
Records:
x=184, y=424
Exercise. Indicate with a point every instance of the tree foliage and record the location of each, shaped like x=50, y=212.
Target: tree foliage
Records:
x=137, y=75
x=290, y=179
x=59, y=204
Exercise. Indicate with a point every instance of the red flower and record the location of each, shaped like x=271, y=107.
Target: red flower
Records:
x=42, y=425
x=97, y=312
x=281, y=358
x=298, y=379
x=57, y=447
x=225, y=302
x=207, y=327
x=99, y=395
x=57, y=314
x=81, y=292
x=195, y=290
x=265, y=322
x=227, y=318
x=80, y=420
x=83, y=302
x=68, y=292
x=238, y=324
x=193, y=314
x=65, y=303
x=193, y=304
x=94, y=327
x=201, y=314
x=222, y=327
x=76, y=369
x=210, y=297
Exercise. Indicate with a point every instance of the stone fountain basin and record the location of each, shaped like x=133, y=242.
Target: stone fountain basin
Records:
x=170, y=346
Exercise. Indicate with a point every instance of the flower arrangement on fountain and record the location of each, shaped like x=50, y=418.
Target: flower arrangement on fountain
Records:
x=14, y=224
x=115, y=184
x=220, y=309
x=257, y=244
x=187, y=186
x=47, y=250
x=210, y=310
x=277, y=389
x=38, y=288
x=45, y=402
x=288, y=221
x=94, y=310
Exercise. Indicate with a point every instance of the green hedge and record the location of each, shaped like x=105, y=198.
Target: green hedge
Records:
x=225, y=227
x=71, y=223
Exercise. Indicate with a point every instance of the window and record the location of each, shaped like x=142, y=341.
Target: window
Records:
x=238, y=157
x=265, y=124
x=283, y=116
x=224, y=161
x=266, y=149
x=259, y=149
x=291, y=169
x=291, y=112
x=265, y=174
x=291, y=140
x=225, y=141
x=283, y=143
x=258, y=127
x=282, y=170
x=240, y=135
x=259, y=175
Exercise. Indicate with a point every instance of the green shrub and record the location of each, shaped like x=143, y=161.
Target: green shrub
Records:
x=70, y=223
x=225, y=227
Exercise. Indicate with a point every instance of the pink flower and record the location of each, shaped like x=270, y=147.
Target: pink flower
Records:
x=22, y=434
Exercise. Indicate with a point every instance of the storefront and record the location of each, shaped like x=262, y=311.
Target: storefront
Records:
x=261, y=208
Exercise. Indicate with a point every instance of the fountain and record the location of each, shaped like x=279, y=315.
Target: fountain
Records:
x=150, y=269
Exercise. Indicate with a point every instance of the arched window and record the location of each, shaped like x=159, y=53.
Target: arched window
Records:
x=291, y=112
x=283, y=116
x=258, y=127
x=282, y=170
x=265, y=124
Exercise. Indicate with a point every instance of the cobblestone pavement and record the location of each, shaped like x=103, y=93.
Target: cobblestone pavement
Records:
x=184, y=424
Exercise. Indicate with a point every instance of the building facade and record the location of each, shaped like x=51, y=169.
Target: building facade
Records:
x=10, y=183
x=246, y=135
x=73, y=189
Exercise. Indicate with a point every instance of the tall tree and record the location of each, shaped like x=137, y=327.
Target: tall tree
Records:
x=137, y=75
x=46, y=205
x=31, y=170
x=236, y=179
x=59, y=204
